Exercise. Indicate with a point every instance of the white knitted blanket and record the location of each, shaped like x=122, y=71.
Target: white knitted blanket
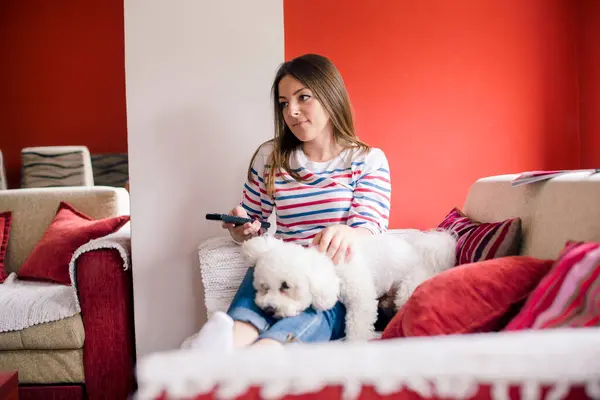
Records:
x=222, y=267
x=27, y=303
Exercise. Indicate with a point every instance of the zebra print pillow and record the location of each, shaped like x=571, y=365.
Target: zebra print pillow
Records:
x=51, y=166
x=111, y=169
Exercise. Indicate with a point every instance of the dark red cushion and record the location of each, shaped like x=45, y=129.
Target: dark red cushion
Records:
x=5, y=219
x=476, y=297
x=70, y=229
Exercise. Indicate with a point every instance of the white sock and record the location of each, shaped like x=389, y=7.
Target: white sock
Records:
x=215, y=336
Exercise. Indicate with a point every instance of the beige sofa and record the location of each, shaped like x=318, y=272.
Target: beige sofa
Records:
x=552, y=212
x=71, y=356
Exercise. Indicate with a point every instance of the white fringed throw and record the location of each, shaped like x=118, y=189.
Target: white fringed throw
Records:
x=444, y=366
x=27, y=303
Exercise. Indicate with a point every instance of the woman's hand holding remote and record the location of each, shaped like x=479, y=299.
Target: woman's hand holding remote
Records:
x=244, y=232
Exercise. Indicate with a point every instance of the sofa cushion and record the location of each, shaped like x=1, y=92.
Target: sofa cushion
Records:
x=45, y=366
x=63, y=334
x=476, y=297
x=552, y=212
x=69, y=230
x=5, y=219
x=569, y=295
x=479, y=241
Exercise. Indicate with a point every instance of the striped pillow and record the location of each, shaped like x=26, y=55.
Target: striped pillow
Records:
x=569, y=295
x=478, y=241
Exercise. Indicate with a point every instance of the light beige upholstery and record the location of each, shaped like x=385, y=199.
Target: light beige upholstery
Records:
x=64, y=334
x=45, y=366
x=33, y=209
x=552, y=212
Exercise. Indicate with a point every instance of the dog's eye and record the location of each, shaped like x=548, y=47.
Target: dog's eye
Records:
x=284, y=286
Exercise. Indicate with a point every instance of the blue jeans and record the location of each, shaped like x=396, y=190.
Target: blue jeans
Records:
x=309, y=326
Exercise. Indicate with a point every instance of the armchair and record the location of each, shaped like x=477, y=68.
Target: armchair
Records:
x=90, y=354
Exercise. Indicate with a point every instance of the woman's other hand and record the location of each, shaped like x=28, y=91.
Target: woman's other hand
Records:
x=337, y=242
x=242, y=232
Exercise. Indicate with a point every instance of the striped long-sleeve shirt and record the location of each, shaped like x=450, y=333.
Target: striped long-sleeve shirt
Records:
x=353, y=189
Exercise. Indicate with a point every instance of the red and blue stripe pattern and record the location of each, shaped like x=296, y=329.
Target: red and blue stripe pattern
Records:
x=353, y=189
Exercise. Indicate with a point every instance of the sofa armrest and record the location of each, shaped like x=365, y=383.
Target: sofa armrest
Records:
x=222, y=266
x=106, y=297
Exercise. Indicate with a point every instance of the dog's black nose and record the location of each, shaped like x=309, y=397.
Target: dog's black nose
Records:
x=270, y=311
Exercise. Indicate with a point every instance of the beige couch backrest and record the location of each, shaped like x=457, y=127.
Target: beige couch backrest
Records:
x=553, y=211
x=33, y=210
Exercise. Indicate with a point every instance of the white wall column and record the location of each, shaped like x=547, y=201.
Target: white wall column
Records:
x=198, y=75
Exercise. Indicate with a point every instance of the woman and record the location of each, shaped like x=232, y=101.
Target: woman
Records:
x=327, y=188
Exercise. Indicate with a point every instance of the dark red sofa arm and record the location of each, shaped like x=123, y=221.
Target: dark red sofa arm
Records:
x=105, y=292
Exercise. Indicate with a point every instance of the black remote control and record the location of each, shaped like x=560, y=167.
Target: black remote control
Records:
x=230, y=219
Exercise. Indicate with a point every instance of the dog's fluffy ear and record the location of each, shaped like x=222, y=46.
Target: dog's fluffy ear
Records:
x=324, y=284
x=254, y=248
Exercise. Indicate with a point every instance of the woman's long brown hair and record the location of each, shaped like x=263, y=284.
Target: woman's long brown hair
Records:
x=321, y=76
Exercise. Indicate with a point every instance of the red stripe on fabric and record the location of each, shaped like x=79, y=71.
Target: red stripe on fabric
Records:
x=358, y=216
x=313, y=221
x=576, y=299
x=313, y=203
x=594, y=321
x=348, y=175
x=288, y=176
x=460, y=227
x=485, y=238
x=357, y=205
x=588, y=314
x=303, y=188
x=544, y=294
x=475, y=237
x=500, y=239
x=251, y=200
x=302, y=238
x=376, y=177
x=365, y=190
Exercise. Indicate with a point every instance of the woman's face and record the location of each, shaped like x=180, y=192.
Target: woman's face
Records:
x=302, y=112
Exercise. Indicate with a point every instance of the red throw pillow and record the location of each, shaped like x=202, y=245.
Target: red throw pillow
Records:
x=478, y=241
x=70, y=229
x=569, y=295
x=476, y=297
x=5, y=219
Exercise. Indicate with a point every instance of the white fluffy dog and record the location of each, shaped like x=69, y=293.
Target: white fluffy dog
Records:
x=290, y=278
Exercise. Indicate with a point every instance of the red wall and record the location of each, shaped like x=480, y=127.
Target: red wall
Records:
x=589, y=82
x=451, y=90
x=62, y=77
